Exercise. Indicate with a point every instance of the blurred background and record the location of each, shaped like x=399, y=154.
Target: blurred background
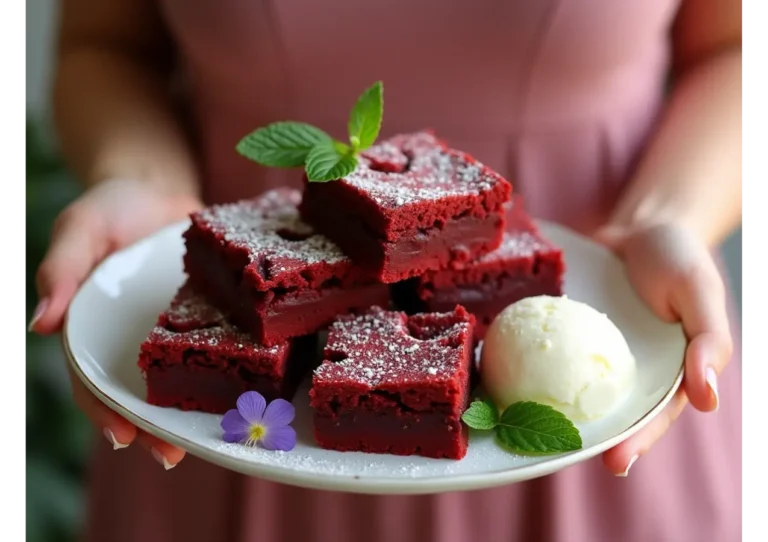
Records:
x=58, y=436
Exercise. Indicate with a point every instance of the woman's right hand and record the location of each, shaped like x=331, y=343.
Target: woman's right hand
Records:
x=109, y=216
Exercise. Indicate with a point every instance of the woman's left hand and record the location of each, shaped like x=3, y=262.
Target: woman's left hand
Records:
x=674, y=273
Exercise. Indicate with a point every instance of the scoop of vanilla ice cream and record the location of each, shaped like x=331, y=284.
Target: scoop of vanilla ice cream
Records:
x=557, y=352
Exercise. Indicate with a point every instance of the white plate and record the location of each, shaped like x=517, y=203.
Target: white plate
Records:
x=117, y=306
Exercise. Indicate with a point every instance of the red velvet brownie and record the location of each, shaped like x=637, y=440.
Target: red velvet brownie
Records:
x=525, y=265
x=272, y=273
x=412, y=205
x=392, y=383
x=194, y=359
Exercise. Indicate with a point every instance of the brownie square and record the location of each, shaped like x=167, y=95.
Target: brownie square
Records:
x=525, y=265
x=272, y=273
x=412, y=205
x=194, y=359
x=391, y=383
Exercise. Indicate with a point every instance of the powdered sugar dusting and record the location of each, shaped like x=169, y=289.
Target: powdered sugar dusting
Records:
x=521, y=239
x=387, y=155
x=517, y=245
x=378, y=347
x=270, y=230
x=191, y=320
x=435, y=172
x=191, y=310
x=336, y=464
x=358, y=468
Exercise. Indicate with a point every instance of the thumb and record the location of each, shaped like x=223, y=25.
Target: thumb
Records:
x=78, y=243
x=611, y=236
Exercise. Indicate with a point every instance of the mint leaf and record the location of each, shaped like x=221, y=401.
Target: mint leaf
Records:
x=330, y=161
x=292, y=144
x=365, y=119
x=533, y=428
x=481, y=415
x=282, y=144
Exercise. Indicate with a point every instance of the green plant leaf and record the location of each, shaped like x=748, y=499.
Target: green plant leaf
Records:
x=282, y=144
x=533, y=428
x=481, y=415
x=365, y=119
x=330, y=161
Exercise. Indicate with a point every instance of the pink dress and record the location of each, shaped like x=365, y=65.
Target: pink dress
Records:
x=558, y=95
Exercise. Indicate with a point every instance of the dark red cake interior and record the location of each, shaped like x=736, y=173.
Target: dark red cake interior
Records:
x=195, y=359
x=271, y=272
x=525, y=265
x=266, y=241
x=412, y=204
x=392, y=383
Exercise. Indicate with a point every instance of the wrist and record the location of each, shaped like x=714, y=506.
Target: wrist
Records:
x=711, y=232
x=177, y=182
x=631, y=218
x=158, y=200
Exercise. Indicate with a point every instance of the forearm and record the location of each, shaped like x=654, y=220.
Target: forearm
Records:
x=115, y=118
x=691, y=170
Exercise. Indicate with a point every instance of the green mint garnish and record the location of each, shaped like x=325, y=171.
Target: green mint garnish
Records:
x=526, y=427
x=293, y=144
x=537, y=429
x=365, y=119
x=282, y=144
x=329, y=161
x=481, y=415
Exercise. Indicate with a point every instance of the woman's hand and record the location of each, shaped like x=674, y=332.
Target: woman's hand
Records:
x=109, y=216
x=674, y=273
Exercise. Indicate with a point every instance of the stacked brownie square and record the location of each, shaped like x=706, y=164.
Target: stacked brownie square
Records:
x=429, y=224
x=525, y=264
x=260, y=284
x=391, y=383
x=274, y=274
x=195, y=359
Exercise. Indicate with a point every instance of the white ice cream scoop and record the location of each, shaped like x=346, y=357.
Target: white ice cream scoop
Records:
x=558, y=352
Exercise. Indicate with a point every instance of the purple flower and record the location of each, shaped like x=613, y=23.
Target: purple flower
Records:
x=256, y=423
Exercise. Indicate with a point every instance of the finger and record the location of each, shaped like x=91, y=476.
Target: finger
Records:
x=699, y=300
x=117, y=430
x=77, y=245
x=164, y=453
x=612, y=237
x=621, y=457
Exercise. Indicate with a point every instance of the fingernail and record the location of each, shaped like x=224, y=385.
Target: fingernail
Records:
x=39, y=311
x=110, y=436
x=712, y=383
x=160, y=458
x=629, y=466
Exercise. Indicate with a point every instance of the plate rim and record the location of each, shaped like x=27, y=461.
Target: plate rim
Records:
x=357, y=483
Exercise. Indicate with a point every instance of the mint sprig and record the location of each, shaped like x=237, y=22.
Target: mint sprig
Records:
x=365, y=119
x=526, y=427
x=294, y=144
x=481, y=415
x=330, y=161
x=282, y=144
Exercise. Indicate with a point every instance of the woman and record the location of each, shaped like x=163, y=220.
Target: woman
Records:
x=567, y=99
